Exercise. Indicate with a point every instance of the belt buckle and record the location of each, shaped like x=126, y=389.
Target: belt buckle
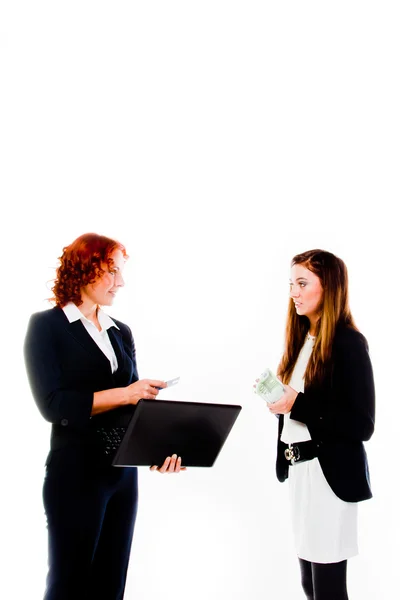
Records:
x=292, y=453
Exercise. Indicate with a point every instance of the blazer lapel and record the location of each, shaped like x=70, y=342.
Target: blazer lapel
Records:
x=116, y=341
x=78, y=331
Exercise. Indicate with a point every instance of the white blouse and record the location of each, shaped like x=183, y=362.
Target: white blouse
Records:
x=294, y=431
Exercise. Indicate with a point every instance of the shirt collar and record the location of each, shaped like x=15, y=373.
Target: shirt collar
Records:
x=73, y=313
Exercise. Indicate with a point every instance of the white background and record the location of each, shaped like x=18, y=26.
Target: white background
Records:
x=215, y=140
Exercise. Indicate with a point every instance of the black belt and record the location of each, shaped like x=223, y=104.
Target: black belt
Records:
x=301, y=451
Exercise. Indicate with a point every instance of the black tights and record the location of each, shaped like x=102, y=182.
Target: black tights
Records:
x=324, y=581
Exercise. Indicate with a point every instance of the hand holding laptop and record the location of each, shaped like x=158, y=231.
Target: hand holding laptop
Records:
x=172, y=464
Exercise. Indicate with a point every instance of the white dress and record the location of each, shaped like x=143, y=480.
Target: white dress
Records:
x=325, y=527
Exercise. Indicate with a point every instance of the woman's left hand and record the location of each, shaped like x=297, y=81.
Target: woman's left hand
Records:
x=284, y=405
x=172, y=464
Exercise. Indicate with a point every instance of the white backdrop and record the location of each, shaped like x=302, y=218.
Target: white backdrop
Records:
x=215, y=140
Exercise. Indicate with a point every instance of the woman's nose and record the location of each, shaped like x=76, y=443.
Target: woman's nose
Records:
x=294, y=292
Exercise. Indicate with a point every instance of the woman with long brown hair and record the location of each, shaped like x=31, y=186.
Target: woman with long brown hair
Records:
x=325, y=415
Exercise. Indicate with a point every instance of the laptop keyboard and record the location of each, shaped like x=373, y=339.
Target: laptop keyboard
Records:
x=111, y=438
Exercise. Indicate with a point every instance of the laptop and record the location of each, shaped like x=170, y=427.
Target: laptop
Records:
x=196, y=431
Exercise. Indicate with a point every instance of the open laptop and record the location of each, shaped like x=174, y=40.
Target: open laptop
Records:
x=196, y=431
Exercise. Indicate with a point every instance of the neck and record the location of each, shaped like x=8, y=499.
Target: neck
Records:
x=88, y=308
x=313, y=327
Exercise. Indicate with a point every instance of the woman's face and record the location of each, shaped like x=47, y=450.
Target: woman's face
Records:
x=104, y=290
x=306, y=292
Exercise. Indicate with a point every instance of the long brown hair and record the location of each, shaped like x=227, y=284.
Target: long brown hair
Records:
x=334, y=310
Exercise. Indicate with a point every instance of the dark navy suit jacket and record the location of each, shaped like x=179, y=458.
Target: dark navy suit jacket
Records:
x=65, y=367
x=340, y=415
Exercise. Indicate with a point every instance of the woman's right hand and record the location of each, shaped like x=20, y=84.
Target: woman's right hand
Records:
x=144, y=388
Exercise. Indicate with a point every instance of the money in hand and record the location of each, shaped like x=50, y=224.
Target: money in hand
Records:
x=269, y=388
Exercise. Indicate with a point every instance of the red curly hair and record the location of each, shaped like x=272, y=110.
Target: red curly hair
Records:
x=80, y=265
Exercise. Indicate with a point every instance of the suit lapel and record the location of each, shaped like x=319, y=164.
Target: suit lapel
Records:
x=116, y=341
x=78, y=331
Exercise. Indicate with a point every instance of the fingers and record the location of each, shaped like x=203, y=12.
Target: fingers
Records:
x=278, y=408
x=166, y=464
x=164, y=467
x=172, y=464
x=275, y=407
x=156, y=383
x=146, y=389
x=149, y=388
x=152, y=387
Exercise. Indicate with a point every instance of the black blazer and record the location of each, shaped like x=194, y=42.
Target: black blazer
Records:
x=65, y=367
x=340, y=415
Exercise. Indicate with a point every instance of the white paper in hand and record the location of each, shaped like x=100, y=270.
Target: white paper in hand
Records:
x=172, y=381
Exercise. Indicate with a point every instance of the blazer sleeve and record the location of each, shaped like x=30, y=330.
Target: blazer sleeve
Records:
x=347, y=407
x=57, y=404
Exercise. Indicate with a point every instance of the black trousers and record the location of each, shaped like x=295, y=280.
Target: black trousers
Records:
x=324, y=581
x=91, y=512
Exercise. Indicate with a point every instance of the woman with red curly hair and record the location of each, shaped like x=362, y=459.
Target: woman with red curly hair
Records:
x=82, y=370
